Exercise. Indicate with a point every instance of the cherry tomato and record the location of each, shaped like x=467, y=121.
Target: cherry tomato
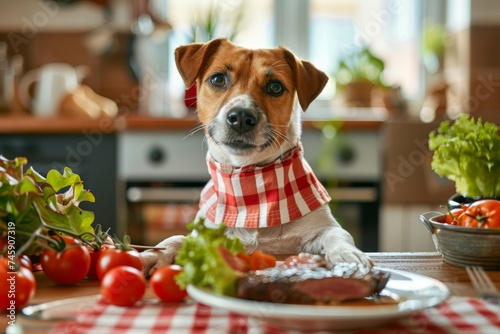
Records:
x=164, y=285
x=69, y=266
x=483, y=214
x=17, y=287
x=114, y=257
x=94, y=257
x=123, y=286
x=454, y=216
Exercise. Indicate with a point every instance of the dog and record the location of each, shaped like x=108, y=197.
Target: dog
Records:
x=249, y=105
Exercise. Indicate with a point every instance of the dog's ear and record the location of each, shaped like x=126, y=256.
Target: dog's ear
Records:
x=308, y=79
x=191, y=59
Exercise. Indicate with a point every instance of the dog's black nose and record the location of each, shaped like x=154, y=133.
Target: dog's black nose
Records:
x=242, y=119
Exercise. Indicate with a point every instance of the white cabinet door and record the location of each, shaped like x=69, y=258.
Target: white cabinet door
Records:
x=401, y=230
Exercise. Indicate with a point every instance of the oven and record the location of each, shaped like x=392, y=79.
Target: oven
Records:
x=162, y=174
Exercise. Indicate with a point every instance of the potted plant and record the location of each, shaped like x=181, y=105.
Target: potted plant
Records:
x=434, y=40
x=357, y=75
x=213, y=25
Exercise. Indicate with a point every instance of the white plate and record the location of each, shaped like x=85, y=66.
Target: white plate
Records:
x=43, y=316
x=64, y=309
x=46, y=315
x=414, y=292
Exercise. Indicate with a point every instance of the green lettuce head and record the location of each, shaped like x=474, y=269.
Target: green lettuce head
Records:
x=468, y=152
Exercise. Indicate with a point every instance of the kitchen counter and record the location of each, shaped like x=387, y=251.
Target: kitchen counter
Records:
x=29, y=124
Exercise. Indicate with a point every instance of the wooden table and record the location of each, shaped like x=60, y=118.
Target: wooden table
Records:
x=432, y=265
x=428, y=264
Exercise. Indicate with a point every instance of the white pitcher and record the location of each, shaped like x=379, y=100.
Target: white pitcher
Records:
x=53, y=82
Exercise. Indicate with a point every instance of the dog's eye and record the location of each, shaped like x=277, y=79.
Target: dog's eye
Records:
x=275, y=88
x=218, y=80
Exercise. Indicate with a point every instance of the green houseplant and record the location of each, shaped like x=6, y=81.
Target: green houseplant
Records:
x=357, y=74
x=215, y=23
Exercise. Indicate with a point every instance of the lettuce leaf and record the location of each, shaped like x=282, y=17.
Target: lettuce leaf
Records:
x=468, y=153
x=203, y=264
x=33, y=202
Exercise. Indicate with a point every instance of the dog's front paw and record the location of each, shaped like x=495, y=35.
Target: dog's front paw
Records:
x=348, y=254
x=154, y=259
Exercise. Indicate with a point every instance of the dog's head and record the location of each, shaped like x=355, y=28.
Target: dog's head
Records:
x=246, y=98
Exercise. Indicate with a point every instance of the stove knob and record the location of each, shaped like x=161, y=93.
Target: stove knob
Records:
x=156, y=155
x=346, y=154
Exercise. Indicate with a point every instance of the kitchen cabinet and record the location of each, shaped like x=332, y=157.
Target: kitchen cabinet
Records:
x=471, y=64
x=92, y=156
x=401, y=231
x=409, y=187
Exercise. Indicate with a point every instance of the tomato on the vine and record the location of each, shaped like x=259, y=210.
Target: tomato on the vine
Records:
x=483, y=214
x=114, y=257
x=68, y=266
x=18, y=286
x=102, y=241
x=123, y=286
x=454, y=216
x=94, y=257
x=164, y=285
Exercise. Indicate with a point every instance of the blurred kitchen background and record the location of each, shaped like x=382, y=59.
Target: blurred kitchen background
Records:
x=91, y=84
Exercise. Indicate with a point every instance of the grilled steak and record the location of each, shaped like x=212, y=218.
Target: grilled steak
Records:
x=307, y=285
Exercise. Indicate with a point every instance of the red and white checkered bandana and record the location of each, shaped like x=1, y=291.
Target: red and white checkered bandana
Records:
x=253, y=196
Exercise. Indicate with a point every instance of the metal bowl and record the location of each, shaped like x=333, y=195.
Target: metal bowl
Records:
x=463, y=246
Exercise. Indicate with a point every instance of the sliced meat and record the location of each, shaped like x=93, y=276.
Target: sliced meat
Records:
x=303, y=285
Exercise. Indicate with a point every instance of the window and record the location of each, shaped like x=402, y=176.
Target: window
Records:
x=253, y=19
x=338, y=28
x=323, y=31
x=255, y=27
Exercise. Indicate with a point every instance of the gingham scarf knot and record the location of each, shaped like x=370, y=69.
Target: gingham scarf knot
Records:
x=261, y=196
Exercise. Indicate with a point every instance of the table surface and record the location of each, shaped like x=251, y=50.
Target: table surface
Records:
x=428, y=264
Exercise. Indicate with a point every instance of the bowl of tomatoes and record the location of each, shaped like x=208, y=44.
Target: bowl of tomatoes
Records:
x=467, y=235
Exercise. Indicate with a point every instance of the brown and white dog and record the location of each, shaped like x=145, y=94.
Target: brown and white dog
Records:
x=247, y=105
